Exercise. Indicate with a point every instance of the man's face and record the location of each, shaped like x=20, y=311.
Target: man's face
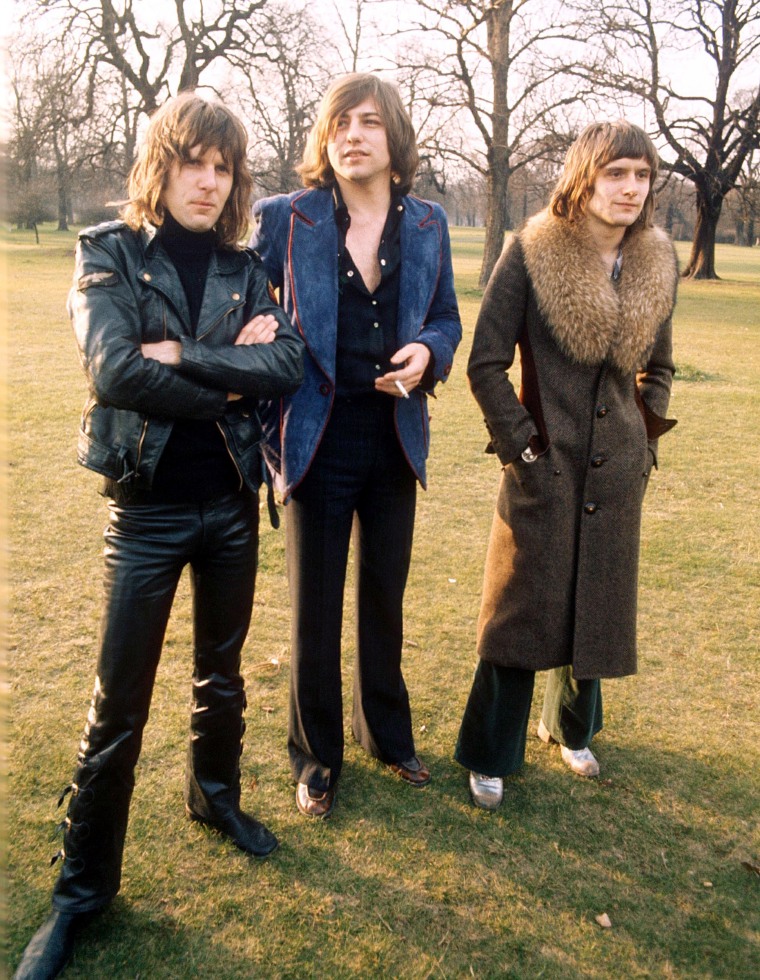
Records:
x=358, y=147
x=620, y=190
x=197, y=189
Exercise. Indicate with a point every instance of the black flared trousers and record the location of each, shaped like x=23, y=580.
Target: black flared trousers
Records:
x=359, y=480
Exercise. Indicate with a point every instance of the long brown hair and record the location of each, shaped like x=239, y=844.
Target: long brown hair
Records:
x=600, y=144
x=181, y=124
x=344, y=94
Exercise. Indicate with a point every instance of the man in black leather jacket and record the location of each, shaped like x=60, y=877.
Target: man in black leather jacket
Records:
x=179, y=338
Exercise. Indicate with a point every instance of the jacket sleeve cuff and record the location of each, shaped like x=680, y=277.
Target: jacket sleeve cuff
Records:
x=509, y=443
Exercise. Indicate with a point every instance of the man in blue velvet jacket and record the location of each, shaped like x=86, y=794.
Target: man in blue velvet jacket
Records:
x=364, y=272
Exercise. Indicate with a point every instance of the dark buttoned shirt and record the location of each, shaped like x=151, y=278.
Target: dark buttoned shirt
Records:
x=367, y=336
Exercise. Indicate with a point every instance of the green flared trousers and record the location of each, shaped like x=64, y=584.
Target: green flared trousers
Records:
x=495, y=722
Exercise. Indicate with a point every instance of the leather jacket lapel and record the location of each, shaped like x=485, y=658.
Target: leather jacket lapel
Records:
x=159, y=273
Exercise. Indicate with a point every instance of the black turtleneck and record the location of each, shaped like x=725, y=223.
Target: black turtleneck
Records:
x=190, y=252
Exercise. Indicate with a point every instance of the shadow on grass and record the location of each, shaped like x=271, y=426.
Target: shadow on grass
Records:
x=660, y=857
x=418, y=882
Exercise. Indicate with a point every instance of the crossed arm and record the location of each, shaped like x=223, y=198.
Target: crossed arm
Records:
x=260, y=330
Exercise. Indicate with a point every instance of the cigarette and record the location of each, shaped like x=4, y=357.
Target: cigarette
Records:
x=401, y=388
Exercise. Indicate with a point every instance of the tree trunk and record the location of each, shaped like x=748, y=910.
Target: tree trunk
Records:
x=496, y=221
x=63, y=201
x=702, y=259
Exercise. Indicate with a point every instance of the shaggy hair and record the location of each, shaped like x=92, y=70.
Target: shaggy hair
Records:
x=344, y=94
x=598, y=145
x=178, y=127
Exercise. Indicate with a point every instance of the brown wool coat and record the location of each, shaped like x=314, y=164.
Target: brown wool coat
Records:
x=562, y=566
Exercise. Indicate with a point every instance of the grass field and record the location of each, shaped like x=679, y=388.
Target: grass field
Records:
x=404, y=883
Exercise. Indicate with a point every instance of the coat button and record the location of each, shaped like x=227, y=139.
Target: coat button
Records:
x=589, y=508
x=147, y=276
x=601, y=411
x=324, y=389
x=236, y=296
x=597, y=461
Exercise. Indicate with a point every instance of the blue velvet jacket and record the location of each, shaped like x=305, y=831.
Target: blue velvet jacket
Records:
x=297, y=239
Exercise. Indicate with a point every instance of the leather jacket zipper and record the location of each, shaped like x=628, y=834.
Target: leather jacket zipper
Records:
x=140, y=442
x=229, y=452
x=218, y=320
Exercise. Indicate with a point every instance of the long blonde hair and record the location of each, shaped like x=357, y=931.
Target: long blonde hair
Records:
x=181, y=124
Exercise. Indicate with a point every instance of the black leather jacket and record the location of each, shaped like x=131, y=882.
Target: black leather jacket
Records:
x=126, y=292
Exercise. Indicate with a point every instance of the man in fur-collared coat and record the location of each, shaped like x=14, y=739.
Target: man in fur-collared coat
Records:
x=585, y=292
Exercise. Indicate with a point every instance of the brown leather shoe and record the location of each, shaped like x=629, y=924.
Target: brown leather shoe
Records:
x=312, y=803
x=412, y=771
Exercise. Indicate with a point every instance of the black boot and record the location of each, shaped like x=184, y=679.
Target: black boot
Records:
x=93, y=842
x=50, y=948
x=212, y=781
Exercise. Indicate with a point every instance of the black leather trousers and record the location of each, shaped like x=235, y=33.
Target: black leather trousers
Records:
x=147, y=547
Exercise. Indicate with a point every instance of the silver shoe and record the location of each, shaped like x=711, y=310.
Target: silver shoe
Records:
x=486, y=791
x=581, y=761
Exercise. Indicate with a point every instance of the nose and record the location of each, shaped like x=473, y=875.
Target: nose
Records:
x=353, y=132
x=632, y=186
x=208, y=176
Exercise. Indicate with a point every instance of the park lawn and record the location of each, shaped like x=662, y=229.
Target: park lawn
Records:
x=405, y=883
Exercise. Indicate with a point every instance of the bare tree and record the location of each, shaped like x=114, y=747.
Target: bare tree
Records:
x=119, y=59
x=709, y=135
x=744, y=203
x=156, y=56
x=52, y=105
x=496, y=61
x=351, y=30
x=281, y=92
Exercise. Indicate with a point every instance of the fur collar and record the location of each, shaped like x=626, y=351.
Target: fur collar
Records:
x=591, y=318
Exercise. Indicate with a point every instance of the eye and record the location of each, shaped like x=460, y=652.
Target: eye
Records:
x=222, y=168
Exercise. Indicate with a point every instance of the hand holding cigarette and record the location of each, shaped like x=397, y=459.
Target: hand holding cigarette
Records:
x=414, y=359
